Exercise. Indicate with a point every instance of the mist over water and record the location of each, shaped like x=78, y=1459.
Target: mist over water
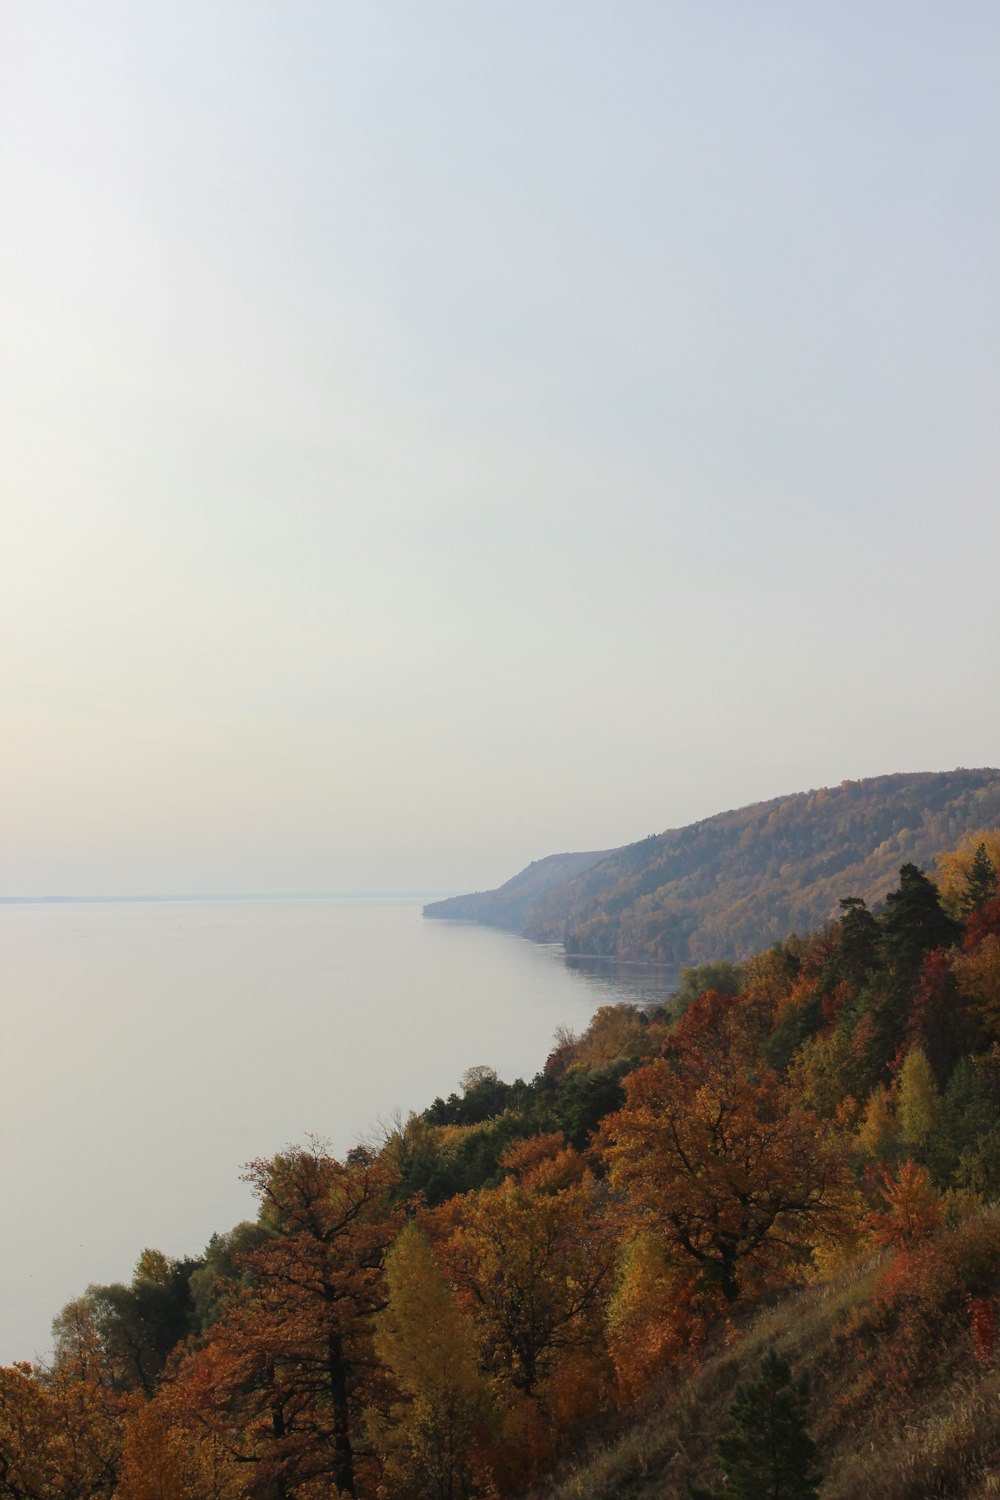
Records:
x=151, y=1048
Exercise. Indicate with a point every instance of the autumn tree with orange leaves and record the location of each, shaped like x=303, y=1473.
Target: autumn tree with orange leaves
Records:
x=532, y=1260
x=282, y=1383
x=60, y=1434
x=716, y=1154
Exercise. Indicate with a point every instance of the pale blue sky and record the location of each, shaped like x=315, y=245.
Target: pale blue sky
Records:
x=435, y=435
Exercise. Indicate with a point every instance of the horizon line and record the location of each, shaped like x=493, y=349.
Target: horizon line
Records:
x=218, y=896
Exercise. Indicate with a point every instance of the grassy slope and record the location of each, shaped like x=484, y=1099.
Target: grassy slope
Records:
x=936, y=1436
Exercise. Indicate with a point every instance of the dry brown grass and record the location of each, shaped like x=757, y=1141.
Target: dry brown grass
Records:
x=938, y=1438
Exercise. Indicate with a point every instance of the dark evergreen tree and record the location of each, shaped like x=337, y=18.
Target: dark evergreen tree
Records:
x=913, y=924
x=981, y=884
x=857, y=943
x=584, y=1098
x=967, y=1116
x=770, y=1456
x=797, y=1025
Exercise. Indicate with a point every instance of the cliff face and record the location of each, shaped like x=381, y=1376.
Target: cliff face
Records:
x=732, y=884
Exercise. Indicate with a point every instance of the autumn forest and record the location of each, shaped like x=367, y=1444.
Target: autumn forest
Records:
x=486, y=1302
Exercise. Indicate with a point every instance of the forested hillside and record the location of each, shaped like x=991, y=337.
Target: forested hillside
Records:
x=571, y=1286
x=511, y=905
x=731, y=884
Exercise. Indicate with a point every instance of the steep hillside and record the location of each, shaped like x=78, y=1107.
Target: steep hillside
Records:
x=512, y=904
x=892, y=1422
x=744, y=1243
x=734, y=883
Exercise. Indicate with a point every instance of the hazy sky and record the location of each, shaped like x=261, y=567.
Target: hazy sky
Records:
x=439, y=434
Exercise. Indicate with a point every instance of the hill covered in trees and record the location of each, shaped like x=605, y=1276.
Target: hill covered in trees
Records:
x=511, y=905
x=731, y=884
x=569, y=1286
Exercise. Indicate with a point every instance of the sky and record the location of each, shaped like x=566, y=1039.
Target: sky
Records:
x=437, y=435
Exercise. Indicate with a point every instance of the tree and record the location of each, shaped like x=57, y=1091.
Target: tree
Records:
x=857, y=941
x=966, y=1117
x=284, y=1382
x=60, y=1434
x=911, y=927
x=942, y=1020
x=219, y=1280
x=654, y=1316
x=878, y=1131
x=125, y=1334
x=431, y=1350
x=770, y=1456
x=977, y=975
x=919, y=1099
x=168, y=1454
x=584, y=1098
x=615, y=1032
x=913, y=923
x=981, y=882
x=531, y=1265
x=716, y=1154
x=913, y=1207
x=721, y=975
x=960, y=890
x=150, y=1470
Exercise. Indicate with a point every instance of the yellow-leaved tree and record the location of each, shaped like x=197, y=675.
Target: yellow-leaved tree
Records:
x=962, y=874
x=977, y=975
x=655, y=1315
x=428, y=1444
x=919, y=1099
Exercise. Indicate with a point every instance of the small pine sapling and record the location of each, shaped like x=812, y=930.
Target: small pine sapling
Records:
x=770, y=1455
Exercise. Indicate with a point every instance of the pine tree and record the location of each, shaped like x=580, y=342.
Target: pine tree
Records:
x=770, y=1456
x=857, y=942
x=913, y=923
x=981, y=883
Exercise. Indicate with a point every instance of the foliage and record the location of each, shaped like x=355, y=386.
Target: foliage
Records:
x=912, y=1207
x=913, y=923
x=656, y=1315
x=427, y=1442
x=724, y=977
x=977, y=977
x=444, y=1317
x=60, y=1434
x=919, y=1100
x=531, y=1267
x=718, y=1156
x=770, y=1456
x=732, y=885
x=967, y=874
x=878, y=1132
x=130, y=1330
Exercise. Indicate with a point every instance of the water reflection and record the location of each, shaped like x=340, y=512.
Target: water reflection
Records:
x=614, y=981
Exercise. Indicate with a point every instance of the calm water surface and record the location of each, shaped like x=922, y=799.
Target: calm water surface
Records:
x=150, y=1048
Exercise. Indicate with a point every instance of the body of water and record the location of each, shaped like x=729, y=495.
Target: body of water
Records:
x=150, y=1048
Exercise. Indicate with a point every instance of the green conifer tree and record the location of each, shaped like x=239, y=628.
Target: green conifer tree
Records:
x=857, y=942
x=912, y=925
x=981, y=883
x=914, y=922
x=770, y=1456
